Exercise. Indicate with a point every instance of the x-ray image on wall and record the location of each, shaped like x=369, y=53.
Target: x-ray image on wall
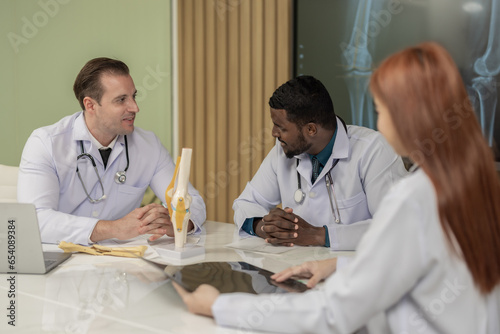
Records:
x=341, y=42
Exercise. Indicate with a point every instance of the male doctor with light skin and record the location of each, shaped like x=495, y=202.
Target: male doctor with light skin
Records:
x=113, y=116
x=49, y=177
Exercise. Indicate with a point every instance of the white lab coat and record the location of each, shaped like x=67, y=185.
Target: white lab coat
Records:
x=367, y=168
x=48, y=178
x=403, y=279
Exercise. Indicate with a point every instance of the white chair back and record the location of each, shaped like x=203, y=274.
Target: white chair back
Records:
x=8, y=184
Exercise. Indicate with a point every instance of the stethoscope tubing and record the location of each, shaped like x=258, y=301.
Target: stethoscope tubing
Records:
x=300, y=195
x=119, y=178
x=331, y=191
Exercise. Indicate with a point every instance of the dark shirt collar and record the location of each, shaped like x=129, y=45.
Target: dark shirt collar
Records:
x=324, y=155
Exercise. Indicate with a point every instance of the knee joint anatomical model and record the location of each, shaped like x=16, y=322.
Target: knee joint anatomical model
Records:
x=178, y=199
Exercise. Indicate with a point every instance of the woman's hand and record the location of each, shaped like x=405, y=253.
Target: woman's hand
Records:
x=199, y=301
x=315, y=271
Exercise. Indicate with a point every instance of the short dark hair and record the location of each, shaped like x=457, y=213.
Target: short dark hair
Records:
x=305, y=99
x=88, y=81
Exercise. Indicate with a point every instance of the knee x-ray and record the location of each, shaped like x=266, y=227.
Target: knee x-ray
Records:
x=341, y=42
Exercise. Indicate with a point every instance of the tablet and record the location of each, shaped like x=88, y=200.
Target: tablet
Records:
x=231, y=277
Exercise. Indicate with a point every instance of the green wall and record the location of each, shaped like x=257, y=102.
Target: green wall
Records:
x=44, y=44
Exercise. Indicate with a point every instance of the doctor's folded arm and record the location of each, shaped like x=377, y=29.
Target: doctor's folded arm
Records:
x=87, y=173
x=428, y=262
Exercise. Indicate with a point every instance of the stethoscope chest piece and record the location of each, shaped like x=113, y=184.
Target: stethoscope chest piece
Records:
x=299, y=196
x=120, y=177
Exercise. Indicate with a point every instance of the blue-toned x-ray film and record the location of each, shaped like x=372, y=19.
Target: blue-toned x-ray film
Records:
x=341, y=42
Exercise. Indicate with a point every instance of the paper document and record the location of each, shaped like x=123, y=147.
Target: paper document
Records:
x=165, y=240
x=141, y=240
x=255, y=244
x=167, y=249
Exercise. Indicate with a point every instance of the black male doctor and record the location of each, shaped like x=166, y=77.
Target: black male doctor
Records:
x=328, y=177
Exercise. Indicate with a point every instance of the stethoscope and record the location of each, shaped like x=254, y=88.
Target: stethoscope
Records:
x=300, y=195
x=120, y=177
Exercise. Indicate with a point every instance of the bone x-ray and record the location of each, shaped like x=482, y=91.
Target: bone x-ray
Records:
x=341, y=42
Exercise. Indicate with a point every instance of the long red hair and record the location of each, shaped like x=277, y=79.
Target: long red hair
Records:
x=436, y=124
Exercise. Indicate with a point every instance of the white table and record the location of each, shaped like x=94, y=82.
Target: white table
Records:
x=91, y=294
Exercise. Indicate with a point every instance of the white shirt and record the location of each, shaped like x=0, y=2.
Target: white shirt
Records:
x=367, y=167
x=403, y=279
x=48, y=178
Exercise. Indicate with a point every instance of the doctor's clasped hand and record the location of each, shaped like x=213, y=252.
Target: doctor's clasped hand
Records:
x=282, y=227
x=151, y=219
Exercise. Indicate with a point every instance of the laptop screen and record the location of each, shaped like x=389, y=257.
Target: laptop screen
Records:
x=20, y=244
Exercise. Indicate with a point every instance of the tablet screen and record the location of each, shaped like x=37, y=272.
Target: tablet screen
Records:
x=231, y=277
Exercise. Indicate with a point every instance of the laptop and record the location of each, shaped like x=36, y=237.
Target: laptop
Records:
x=20, y=243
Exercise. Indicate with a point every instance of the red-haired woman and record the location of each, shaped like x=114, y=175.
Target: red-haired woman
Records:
x=430, y=262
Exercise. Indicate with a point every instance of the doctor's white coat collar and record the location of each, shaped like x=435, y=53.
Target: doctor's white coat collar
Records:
x=81, y=132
